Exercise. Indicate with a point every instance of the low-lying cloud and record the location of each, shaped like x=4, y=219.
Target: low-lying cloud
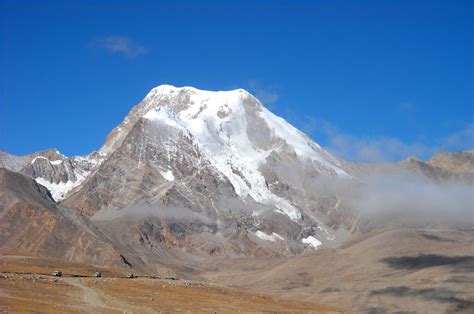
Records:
x=391, y=193
x=413, y=198
x=156, y=210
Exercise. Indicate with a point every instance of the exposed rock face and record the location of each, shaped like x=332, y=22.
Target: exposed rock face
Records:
x=12, y=162
x=459, y=162
x=50, y=168
x=30, y=221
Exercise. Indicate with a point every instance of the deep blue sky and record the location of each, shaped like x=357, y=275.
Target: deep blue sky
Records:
x=364, y=78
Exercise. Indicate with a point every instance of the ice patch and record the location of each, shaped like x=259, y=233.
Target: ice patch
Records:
x=268, y=237
x=168, y=175
x=38, y=157
x=315, y=243
x=163, y=115
x=59, y=190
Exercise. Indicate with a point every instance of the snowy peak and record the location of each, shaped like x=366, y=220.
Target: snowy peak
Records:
x=166, y=90
x=236, y=134
x=223, y=155
x=231, y=114
x=61, y=174
x=177, y=98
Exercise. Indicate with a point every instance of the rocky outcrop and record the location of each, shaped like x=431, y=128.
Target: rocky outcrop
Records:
x=31, y=222
x=50, y=168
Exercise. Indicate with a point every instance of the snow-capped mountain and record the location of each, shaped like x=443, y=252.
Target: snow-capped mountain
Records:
x=61, y=174
x=234, y=132
x=190, y=175
x=50, y=168
x=222, y=155
x=219, y=171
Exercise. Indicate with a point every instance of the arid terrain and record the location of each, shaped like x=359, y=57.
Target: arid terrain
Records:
x=421, y=270
x=407, y=270
x=26, y=285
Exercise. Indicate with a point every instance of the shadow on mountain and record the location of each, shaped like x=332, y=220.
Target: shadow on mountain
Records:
x=302, y=280
x=376, y=310
x=460, y=279
x=435, y=237
x=330, y=290
x=431, y=294
x=460, y=263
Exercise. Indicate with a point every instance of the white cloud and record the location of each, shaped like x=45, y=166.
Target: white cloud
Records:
x=121, y=45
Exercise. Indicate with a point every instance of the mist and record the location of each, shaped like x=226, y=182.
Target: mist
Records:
x=413, y=197
x=156, y=210
x=397, y=195
x=393, y=194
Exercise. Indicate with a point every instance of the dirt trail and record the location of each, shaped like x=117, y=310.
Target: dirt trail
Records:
x=99, y=301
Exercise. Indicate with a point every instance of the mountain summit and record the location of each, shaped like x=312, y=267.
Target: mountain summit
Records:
x=233, y=132
x=199, y=173
x=220, y=158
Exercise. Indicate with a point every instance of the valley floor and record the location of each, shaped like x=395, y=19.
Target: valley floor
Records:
x=422, y=270
x=26, y=285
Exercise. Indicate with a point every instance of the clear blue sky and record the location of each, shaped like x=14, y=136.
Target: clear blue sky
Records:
x=369, y=80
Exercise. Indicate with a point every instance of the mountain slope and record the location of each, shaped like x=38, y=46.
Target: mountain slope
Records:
x=220, y=155
x=50, y=168
x=30, y=221
x=385, y=271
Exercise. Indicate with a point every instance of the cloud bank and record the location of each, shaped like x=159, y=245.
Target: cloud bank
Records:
x=408, y=197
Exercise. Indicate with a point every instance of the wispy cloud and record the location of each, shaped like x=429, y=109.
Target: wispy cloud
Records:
x=379, y=148
x=370, y=148
x=121, y=45
x=460, y=140
x=266, y=94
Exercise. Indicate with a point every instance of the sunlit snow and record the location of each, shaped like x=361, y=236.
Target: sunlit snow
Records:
x=268, y=237
x=224, y=140
x=315, y=243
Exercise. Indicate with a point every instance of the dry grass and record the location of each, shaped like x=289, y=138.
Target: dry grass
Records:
x=26, y=286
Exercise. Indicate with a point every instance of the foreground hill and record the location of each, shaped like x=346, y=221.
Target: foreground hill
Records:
x=30, y=221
